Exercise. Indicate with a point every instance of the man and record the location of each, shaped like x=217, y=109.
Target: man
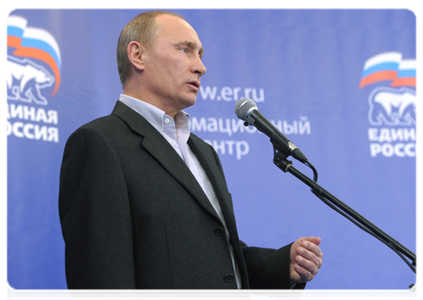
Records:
x=143, y=202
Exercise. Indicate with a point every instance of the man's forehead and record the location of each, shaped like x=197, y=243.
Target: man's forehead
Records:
x=178, y=29
x=169, y=22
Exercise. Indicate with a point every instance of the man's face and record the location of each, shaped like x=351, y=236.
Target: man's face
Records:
x=173, y=65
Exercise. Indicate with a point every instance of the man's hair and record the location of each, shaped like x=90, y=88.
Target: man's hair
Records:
x=143, y=29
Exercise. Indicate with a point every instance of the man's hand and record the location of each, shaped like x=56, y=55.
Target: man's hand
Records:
x=306, y=259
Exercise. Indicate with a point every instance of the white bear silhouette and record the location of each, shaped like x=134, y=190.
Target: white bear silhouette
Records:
x=25, y=79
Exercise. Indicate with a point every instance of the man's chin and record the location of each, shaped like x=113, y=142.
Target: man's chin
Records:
x=188, y=102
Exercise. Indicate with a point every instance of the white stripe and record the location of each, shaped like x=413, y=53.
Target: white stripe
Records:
x=408, y=64
x=17, y=21
x=383, y=58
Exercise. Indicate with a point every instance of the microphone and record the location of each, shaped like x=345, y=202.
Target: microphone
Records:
x=246, y=109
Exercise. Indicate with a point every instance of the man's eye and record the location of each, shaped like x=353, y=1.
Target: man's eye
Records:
x=185, y=50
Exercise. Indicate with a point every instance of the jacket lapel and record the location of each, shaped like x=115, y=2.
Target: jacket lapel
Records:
x=162, y=151
x=206, y=157
x=215, y=174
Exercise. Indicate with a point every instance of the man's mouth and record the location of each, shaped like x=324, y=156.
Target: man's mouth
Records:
x=195, y=83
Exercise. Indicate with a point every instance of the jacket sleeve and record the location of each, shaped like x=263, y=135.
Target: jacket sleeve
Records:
x=95, y=215
x=269, y=268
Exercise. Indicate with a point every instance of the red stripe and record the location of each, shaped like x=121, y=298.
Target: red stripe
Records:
x=13, y=41
x=406, y=81
x=378, y=76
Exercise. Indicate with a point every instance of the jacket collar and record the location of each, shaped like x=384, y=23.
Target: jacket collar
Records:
x=154, y=143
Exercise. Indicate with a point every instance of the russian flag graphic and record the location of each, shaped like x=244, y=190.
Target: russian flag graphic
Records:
x=389, y=66
x=406, y=74
x=381, y=67
x=34, y=43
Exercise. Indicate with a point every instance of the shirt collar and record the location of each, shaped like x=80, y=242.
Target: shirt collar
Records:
x=155, y=116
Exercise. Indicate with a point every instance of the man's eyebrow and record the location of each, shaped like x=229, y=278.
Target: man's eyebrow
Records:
x=190, y=44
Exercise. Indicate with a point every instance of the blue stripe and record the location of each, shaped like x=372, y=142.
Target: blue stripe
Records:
x=15, y=31
x=388, y=66
x=406, y=73
x=38, y=44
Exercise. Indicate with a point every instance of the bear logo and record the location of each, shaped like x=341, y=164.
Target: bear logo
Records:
x=26, y=79
x=392, y=107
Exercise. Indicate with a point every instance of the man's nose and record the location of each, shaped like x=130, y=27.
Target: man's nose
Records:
x=199, y=67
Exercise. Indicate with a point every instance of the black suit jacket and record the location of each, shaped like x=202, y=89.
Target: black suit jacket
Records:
x=134, y=216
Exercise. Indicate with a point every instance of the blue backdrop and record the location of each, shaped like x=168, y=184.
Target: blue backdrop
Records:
x=339, y=83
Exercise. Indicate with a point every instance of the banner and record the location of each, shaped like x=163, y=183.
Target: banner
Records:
x=340, y=84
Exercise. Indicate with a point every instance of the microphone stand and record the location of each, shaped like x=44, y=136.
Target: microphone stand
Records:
x=280, y=155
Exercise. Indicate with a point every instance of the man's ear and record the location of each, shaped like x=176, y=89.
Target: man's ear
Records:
x=136, y=54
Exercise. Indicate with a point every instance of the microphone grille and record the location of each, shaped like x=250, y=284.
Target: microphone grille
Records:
x=243, y=108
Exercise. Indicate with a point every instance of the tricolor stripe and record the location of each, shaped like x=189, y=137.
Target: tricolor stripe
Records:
x=406, y=74
x=388, y=66
x=34, y=43
x=380, y=67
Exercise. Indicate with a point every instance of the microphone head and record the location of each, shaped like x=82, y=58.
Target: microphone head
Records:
x=244, y=107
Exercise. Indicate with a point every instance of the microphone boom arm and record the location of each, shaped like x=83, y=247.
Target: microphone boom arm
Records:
x=247, y=110
x=280, y=155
